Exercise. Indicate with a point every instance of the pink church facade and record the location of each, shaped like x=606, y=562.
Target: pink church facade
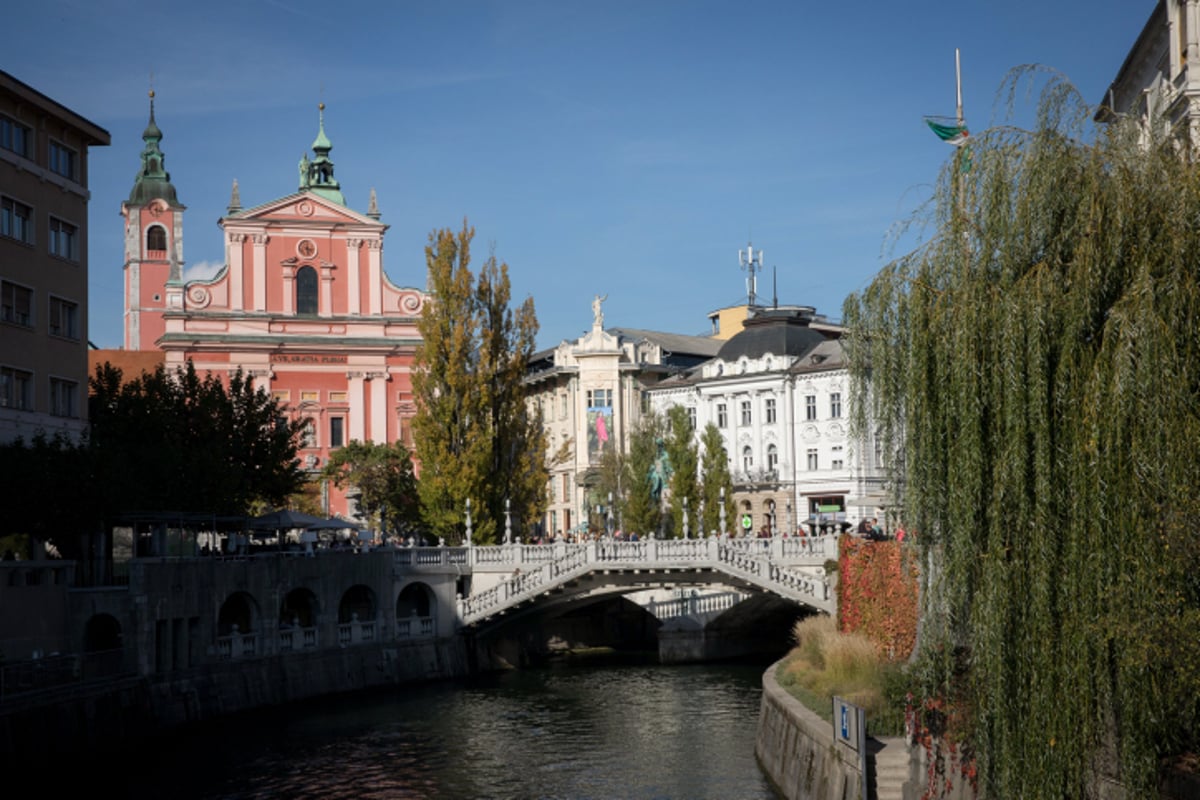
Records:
x=303, y=305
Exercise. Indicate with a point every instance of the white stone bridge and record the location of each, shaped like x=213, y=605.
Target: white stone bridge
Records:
x=508, y=578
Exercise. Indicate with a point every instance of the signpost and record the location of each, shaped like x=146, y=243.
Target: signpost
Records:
x=850, y=729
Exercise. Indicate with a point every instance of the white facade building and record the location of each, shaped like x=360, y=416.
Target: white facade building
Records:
x=779, y=393
x=1160, y=77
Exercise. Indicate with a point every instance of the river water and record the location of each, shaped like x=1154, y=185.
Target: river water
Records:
x=567, y=731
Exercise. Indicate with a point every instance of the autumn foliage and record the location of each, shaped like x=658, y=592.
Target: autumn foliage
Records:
x=877, y=594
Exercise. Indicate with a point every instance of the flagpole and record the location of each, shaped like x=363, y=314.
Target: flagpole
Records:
x=958, y=85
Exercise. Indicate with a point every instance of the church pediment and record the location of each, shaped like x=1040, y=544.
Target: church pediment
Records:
x=305, y=206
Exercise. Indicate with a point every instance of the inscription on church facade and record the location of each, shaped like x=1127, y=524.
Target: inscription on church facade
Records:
x=306, y=358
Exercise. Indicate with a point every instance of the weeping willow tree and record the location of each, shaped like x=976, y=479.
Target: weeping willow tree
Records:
x=1033, y=368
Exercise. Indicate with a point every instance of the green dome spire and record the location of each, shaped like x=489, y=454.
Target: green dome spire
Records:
x=317, y=175
x=153, y=182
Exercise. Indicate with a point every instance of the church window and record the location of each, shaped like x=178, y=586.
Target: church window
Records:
x=772, y=457
x=747, y=459
x=156, y=238
x=306, y=291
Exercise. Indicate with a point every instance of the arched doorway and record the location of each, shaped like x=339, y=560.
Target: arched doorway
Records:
x=416, y=609
x=237, y=625
x=298, y=621
x=356, y=616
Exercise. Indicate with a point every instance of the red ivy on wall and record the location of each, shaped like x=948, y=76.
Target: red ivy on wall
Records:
x=877, y=594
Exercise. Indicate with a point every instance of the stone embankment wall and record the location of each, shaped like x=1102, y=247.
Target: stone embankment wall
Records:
x=797, y=750
x=55, y=729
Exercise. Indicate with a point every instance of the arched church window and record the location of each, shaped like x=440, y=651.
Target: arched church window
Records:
x=156, y=238
x=306, y=291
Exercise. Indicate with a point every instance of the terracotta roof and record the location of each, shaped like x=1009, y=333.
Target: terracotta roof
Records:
x=132, y=363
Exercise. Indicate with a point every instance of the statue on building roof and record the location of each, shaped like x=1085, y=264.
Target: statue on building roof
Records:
x=597, y=311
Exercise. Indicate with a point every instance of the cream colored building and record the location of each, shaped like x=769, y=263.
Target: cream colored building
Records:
x=592, y=391
x=43, y=262
x=1160, y=77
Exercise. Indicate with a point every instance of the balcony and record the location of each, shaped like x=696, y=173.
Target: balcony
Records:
x=755, y=477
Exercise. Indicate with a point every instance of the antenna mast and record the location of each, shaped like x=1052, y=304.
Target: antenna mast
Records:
x=751, y=261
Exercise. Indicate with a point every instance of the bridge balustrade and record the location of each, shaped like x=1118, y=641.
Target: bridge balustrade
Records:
x=296, y=638
x=763, y=562
x=415, y=627
x=237, y=645
x=356, y=632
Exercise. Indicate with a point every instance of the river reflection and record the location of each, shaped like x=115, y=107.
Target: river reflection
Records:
x=577, y=732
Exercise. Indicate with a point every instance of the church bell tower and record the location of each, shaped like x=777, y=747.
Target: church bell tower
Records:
x=153, y=245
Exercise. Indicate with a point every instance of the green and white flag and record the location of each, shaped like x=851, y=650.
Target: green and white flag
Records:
x=952, y=134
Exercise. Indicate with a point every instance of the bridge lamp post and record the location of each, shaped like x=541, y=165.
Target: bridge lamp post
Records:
x=722, y=509
x=685, y=519
x=609, y=524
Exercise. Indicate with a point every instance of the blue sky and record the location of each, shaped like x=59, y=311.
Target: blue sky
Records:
x=619, y=148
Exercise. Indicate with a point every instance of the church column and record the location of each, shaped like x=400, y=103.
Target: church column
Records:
x=259, y=302
x=353, y=290
x=358, y=406
x=325, y=308
x=289, y=286
x=375, y=276
x=379, y=406
x=261, y=378
x=237, y=291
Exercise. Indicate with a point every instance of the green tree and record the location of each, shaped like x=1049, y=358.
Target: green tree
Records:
x=173, y=440
x=680, y=444
x=642, y=510
x=613, y=479
x=383, y=475
x=1033, y=370
x=714, y=476
x=476, y=435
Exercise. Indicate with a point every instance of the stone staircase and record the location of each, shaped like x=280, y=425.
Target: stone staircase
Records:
x=891, y=767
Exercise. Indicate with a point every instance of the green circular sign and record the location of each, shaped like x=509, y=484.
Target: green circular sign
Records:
x=746, y=521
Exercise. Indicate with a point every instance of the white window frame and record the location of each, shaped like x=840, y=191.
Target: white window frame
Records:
x=747, y=414
x=769, y=410
x=813, y=459
x=835, y=405
x=810, y=407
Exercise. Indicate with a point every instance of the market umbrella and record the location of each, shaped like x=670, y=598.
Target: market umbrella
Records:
x=284, y=519
x=333, y=524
